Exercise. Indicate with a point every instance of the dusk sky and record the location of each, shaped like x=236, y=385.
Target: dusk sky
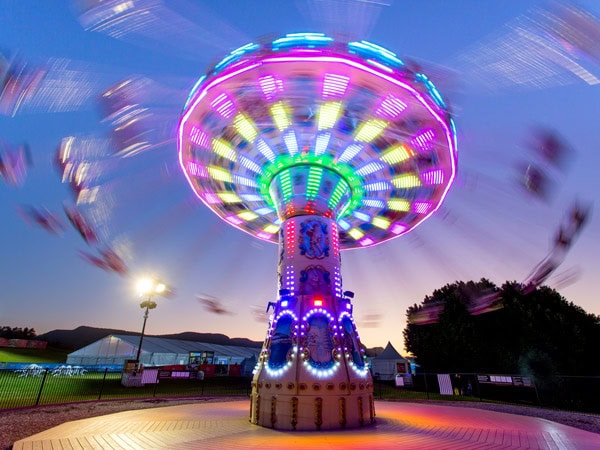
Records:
x=500, y=86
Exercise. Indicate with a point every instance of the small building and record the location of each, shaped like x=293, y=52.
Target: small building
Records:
x=115, y=350
x=388, y=364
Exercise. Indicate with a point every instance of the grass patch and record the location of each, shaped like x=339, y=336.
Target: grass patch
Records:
x=33, y=355
x=20, y=391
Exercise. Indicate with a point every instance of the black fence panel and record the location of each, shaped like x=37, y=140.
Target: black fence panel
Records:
x=570, y=393
x=38, y=386
x=563, y=392
x=20, y=388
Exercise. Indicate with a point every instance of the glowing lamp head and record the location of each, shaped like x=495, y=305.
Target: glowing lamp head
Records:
x=149, y=286
x=318, y=301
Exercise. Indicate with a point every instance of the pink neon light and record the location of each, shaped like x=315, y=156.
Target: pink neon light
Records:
x=450, y=138
x=422, y=140
x=335, y=239
x=334, y=85
x=421, y=207
x=391, y=107
x=264, y=235
x=320, y=57
x=398, y=228
x=199, y=137
x=223, y=105
x=197, y=169
x=234, y=219
x=433, y=177
x=211, y=198
x=366, y=241
x=270, y=86
x=290, y=235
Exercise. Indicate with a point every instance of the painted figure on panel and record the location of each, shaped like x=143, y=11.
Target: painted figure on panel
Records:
x=314, y=242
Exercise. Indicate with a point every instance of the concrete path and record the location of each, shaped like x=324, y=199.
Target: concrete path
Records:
x=225, y=426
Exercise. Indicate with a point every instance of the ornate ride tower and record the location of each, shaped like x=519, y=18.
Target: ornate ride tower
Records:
x=318, y=146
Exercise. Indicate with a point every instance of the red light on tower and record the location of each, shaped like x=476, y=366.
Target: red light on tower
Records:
x=307, y=181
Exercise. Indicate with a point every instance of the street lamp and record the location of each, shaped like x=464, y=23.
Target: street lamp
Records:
x=148, y=288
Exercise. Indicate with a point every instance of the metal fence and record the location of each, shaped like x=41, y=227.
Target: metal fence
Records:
x=32, y=387
x=562, y=392
x=44, y=386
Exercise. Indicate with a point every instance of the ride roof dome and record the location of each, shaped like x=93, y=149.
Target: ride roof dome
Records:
x=304, y=124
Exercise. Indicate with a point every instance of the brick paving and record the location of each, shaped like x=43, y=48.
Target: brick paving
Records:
x=225, y=426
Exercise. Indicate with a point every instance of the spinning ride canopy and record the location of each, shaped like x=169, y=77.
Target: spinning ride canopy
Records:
x=307, y=125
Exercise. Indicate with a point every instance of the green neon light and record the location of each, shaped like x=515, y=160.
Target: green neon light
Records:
x=283, y=162
x=313, y=184
x=340, y=189
x=286, y=185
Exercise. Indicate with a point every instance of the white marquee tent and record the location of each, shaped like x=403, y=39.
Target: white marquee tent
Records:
x=116, y=349
x=388, y=363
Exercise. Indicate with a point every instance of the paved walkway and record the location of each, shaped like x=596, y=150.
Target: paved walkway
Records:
x=225, y=426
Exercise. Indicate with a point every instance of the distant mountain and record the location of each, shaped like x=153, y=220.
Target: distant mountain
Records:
x=82, y=336
x=77, y=338
x=213, y=338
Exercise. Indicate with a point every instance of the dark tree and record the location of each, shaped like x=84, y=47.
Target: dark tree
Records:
x=539, y=333
x=17, y=332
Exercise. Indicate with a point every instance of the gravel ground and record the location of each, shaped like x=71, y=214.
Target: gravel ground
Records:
x=18, y=424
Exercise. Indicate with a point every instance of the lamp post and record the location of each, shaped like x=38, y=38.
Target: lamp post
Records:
x=148, y=287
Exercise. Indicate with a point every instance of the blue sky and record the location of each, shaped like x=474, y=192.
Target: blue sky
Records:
x=487, y=228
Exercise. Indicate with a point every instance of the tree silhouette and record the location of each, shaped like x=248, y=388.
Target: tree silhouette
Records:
x=539, y=333
x=17, y=332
